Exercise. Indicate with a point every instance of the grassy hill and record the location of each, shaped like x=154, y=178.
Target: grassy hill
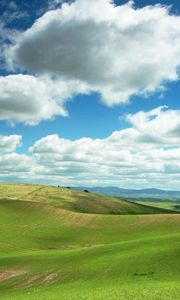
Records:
x=73, y=200
x=53, y=246
x=165, y=204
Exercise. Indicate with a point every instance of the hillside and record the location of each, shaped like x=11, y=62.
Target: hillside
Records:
x=75, y=201
x=50, y=249
x=165, y=204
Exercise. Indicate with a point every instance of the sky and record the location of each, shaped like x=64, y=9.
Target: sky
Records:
x=90, y=93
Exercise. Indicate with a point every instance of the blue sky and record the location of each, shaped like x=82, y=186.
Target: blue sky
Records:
x=50, y=104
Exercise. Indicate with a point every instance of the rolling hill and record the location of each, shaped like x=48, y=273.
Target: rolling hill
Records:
x=63, y=244
x=75, y=201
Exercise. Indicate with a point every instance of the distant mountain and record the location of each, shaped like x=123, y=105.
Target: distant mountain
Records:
x=132, y=193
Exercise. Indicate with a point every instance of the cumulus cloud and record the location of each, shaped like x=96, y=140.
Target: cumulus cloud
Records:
x=158, y=126
x=16, y=166
x=125, y=158
x=83, y=47
x=14, y=163
x=9, y=143
x=30, y=99
x=118, y=51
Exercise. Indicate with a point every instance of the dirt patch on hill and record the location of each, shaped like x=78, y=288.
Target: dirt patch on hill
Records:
x=39, y=279
x=5, y=275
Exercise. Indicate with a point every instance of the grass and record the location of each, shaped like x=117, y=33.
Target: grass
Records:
x=64, y=253
x=75, y=201
x=164, y=204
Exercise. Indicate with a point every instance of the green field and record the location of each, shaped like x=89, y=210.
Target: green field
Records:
x=62, y=244
x=165, y=204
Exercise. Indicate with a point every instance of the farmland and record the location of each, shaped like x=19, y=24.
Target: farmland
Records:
x=62, y=244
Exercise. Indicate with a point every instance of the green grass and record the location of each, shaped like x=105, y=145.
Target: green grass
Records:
x=74, y=201
x=164, y=204
x=68, y=254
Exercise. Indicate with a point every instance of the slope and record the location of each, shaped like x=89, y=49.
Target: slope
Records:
x=74, y=200
x=48, y=251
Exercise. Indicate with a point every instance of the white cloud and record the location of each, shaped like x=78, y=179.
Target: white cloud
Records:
x=118, y=51
x=125, y=158
x=14, y=163
x=29, y=99
x=93, y=46
x=9, y=143
x=16, y=167
x=158, y=126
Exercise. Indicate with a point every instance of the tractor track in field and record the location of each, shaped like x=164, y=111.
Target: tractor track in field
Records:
x=35, y=191
x=5, y=275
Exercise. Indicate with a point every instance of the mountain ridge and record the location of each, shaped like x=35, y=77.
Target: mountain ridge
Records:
x=116, y=191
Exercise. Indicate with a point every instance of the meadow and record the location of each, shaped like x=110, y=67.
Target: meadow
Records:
x=62, y=244
x=165, y=203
